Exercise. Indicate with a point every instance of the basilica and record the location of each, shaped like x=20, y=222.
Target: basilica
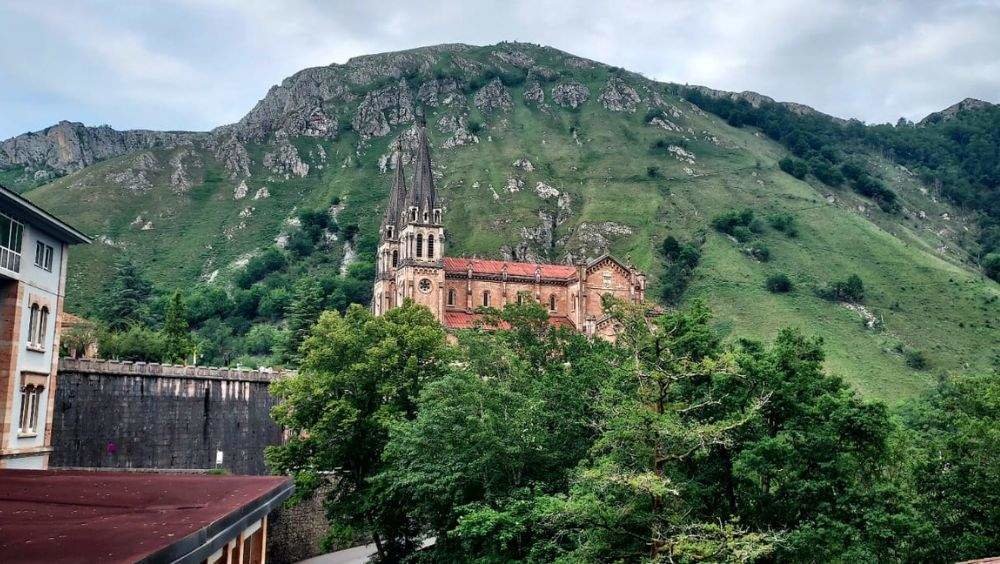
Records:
x=411, y=264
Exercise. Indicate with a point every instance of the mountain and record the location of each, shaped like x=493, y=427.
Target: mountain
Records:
x=539, y=154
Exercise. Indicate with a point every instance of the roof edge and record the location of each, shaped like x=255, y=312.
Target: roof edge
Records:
x=48, y=222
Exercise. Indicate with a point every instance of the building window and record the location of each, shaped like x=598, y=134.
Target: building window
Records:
x=486, y=298
x=37, y=322
x=552, y=302
x=395, y=258
x=10, y=243
x=437, y=217
x=608, y=280
x=451, y=297
x=425, y=285
x=388, y=231
x=30, y=397
x=425, y=217
x=430, y=246
x=413, y=214
x=520, y=298
x=420, y=245
x=43, y=256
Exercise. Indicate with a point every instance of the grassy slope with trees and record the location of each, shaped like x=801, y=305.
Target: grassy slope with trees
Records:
x=920, y=281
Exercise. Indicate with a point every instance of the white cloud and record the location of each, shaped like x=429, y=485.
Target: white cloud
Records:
x=195, y=64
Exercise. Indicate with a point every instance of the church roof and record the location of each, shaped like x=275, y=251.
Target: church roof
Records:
x=397, y=194
x=422, y=194
x=454, y=265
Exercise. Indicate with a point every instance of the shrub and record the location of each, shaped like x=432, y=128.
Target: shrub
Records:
x=916, y=360
x=794, y=167
x=778, y=284
x=783, y=222
x=991, y=266
x=760, y=252
x=729, y=221
x=742, y=233
x=259, y=267
x=474, y=127
x=653, y=171
x=651, y=114
x=850, y=290
x=671, y=247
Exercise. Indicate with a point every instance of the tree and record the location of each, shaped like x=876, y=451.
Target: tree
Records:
x=176, y=332
x=303, y=311
x=359, y=376
x=125, y=300
x=778, y=284
x=954, y=464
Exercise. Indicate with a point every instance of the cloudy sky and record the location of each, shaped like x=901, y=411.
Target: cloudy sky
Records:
x=196, y=64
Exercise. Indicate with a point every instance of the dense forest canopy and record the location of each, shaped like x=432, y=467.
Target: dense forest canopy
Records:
x=958, y=154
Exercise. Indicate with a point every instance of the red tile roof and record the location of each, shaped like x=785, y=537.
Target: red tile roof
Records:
x=456, y=265
x=467, y=320
x=70, y=516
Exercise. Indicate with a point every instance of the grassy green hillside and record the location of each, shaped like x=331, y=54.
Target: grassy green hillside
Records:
x=629, y=184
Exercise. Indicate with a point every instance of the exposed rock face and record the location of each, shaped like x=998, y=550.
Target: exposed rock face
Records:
x=69, y=146
x=493, y=96
x=524, y=164
x=595, y=238
x=233, y=156
x=951, y=111
x=545, y=191
x=285, y=160
x=570, y=94
x=441, y=92
x=180, y=175
x=534, y=93
x=381, y=109
x=262, y=194
x=514, y=57
x=618, y=96
x=135, y=178
x=241, y=190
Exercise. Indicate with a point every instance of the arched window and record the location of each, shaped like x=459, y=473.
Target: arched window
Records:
x=413, y=214
x=33, y=323
x=552, y=302
x=430, y=246
x=486, y=298
x=437, y=216
x=43, y=321
x=30, y=397
x=425, y=216
x=420, y=245
x=520, y=298
x=395, y=258
x=451, y=297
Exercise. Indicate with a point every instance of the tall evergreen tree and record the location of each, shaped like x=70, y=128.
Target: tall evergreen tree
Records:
x=307, y=304
x=126, y=297
x=176, y=332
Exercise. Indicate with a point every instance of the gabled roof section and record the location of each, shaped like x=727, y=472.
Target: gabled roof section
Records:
x=422, y=194
x=608, y=258
x=453, y=265
x=23, y=210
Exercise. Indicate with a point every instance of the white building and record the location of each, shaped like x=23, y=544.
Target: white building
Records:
x=33, y=251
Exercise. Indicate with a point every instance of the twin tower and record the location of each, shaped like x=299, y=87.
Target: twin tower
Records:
x=411, y=245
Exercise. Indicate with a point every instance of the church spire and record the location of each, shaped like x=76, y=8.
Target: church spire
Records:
x=422, y=194
x=397, y=196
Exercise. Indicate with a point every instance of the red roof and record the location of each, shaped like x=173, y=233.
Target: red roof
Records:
x=73, y=516
x=466, y=320
x=455, y=265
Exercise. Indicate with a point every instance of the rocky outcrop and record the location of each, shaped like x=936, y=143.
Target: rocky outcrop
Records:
x=381, y=109
x=493, y=97
x=951, y=111
x=135, y=177
x=534, y=94
x=69, y=146
x=233, y=156
x=284, y=160
x=570, y=94
x=514, y=57
x=523, y=164
x=618, y=96
x=441, y=92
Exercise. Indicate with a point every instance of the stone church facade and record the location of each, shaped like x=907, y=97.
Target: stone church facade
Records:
x=411, y=264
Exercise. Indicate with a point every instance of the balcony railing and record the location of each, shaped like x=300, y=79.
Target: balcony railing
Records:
x=10, y=260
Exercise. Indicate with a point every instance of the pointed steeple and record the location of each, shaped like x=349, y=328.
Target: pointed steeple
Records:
x=397, y=198
x=422, y=194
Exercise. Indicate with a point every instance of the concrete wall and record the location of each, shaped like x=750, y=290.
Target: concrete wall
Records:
x=111, y=414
